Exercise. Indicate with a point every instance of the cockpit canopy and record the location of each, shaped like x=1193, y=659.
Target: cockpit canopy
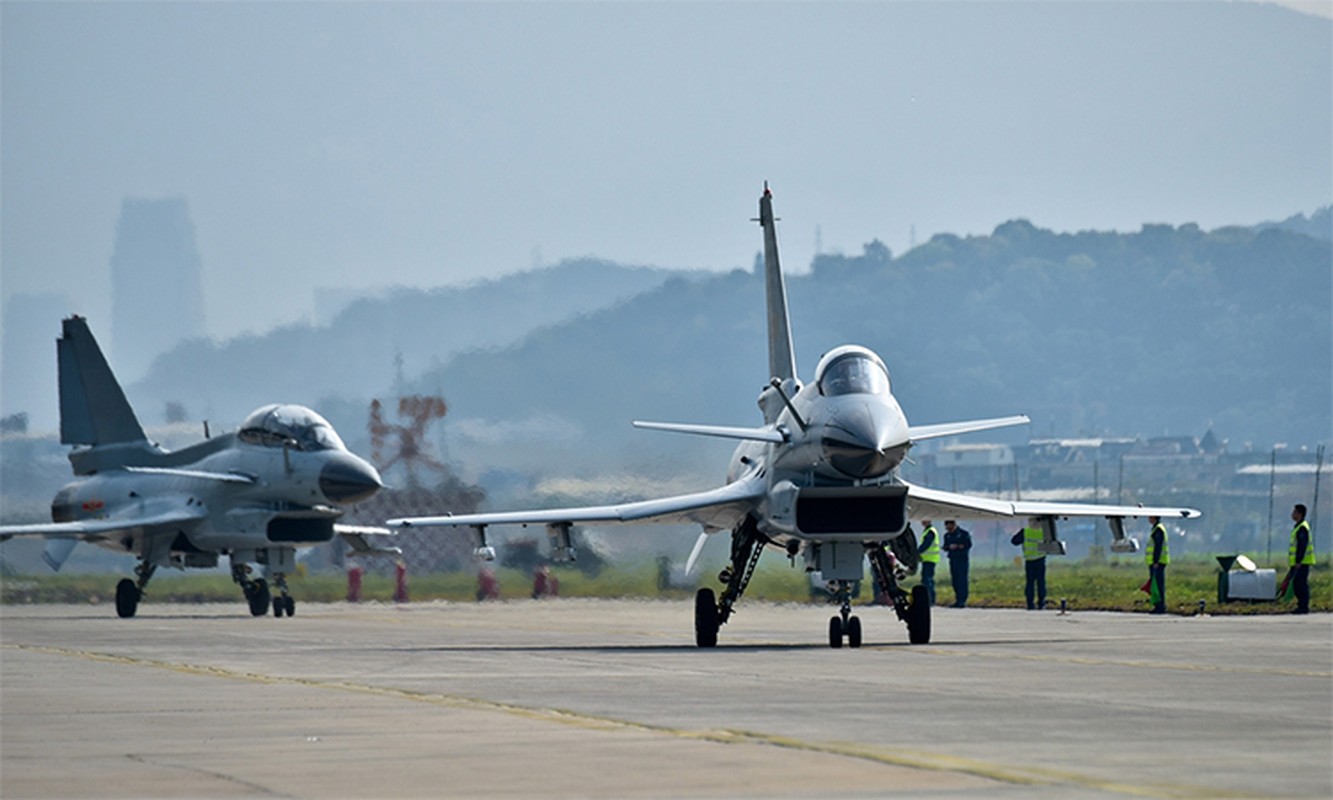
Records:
x=851, y=370
x=289, y=426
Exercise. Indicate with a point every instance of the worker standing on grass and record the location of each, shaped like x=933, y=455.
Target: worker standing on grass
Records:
x=1034, y=564
x=1300, y=557
x=929, y=550
x=957, y=543
x=1157, y=555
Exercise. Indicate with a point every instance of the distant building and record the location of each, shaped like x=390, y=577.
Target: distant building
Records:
x=963, y=456
x=157, y=294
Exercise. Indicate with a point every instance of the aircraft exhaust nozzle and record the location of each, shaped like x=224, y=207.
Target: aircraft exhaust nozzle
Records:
x=348, y=479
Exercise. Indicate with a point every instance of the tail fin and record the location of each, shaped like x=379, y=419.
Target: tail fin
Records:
x=93, y=408
x=781, y=356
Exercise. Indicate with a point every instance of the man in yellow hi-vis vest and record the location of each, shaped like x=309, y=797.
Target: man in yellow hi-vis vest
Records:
x=1034, y=564
x=1300, y=557
x=929, y=550
x=1158, y=555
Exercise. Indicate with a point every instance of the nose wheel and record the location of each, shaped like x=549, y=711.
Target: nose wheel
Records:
x=844, y=625
x=283, y=603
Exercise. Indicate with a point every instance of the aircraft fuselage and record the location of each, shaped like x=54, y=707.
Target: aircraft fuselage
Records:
x=245, y=496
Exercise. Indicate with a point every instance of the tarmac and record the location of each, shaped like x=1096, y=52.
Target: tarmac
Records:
x=572, y=698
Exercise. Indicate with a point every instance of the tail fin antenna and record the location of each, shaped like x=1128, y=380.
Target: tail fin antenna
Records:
x=93, y=408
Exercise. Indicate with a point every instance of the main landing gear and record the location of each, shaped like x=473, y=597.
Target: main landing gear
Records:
x=256, y=590
x=747, y=543
x=915, y=611
x=129, y=593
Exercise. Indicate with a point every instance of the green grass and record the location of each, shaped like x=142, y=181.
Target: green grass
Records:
x=1085, y=586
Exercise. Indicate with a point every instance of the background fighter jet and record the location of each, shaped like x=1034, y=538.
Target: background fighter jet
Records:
x=255, y=495
x=818, y=479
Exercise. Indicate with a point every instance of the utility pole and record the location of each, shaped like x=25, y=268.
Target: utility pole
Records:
x=1272, y=485
x=1314, y=510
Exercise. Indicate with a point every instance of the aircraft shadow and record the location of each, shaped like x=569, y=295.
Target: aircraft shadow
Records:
x=775, y=647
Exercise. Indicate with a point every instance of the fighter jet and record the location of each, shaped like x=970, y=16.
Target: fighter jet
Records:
x=819, y=479
x=277, y=484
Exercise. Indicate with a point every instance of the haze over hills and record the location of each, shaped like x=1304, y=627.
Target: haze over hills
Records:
x=375, y=341
x=1164, y=330
x=1168, y=330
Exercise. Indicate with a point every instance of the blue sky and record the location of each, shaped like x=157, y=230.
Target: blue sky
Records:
x=368, y=144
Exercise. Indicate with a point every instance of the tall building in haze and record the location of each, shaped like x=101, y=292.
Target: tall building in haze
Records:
x=157, y=296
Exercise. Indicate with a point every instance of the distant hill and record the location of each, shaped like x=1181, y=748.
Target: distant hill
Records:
x=1168, y=329
x=355, y=357
x=1319, y=224
x=1164, y=330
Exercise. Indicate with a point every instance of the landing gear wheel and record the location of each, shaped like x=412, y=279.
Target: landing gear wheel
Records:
x=259, y=598
x=127, y=598
x=705, y=618
x=290, y=604
x=918, y=616
x=278, y=607
x=854, y=632
x=835, y=632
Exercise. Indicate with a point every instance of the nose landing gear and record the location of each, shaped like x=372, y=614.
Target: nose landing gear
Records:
x=844, y=625
x=283, y=603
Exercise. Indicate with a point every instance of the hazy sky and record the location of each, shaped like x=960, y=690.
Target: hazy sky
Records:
x=365, y=144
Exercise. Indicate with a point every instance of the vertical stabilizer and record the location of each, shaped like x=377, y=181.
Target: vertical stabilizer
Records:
x=781, y=358
x=93, y=408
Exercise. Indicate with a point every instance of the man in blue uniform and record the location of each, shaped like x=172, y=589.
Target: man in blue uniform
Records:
x=957, y=545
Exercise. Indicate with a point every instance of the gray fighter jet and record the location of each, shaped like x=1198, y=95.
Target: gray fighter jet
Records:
x=820, y=480
x=279, y=483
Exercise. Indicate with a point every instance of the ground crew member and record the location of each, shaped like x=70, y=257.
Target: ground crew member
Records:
x=957, y=543
x=929, y=550
x=1157, y=555
x=1300, y=557
x=1034, y=563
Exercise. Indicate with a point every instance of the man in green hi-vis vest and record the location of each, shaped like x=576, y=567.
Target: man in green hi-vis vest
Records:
x=929, y=550
x=1034, y=564
x=1157, y=555
x=1300, y=557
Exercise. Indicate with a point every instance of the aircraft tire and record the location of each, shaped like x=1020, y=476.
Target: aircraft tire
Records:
x=290, y=603
x=278, y=607
x=854, y=632
x=127, y=598
x=705, y=618
x=835, y=632
x=918, y=616
x=259, y=598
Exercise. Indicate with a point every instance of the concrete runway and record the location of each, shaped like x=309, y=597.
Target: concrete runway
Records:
x=600, y=699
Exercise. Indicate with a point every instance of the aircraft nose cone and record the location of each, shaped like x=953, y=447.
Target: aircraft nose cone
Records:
x=862, y=444
x=348, y=479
